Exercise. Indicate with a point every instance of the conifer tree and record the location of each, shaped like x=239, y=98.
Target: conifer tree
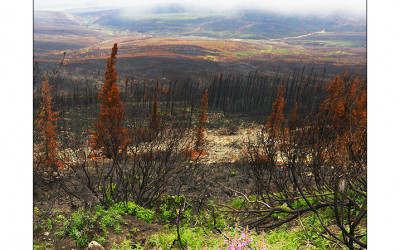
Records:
x=332, y=108
x=293, y=115
x=354, y=123
x=199, y=149
x=109, y=135
x=292, y=119
x=155, y=122
x=274, y=121
x=47, y=119
x=359, y=121
x=342, y=117
x=199, y=135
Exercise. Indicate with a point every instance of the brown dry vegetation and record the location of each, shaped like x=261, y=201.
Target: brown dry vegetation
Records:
x=215, y=50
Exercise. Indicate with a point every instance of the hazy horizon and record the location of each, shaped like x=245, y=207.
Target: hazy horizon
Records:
x=354, y=8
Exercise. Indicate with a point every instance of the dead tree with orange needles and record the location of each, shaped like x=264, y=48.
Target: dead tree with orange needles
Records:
x=47, y=119
x=155, y=121
x=199, y=149
x=109, y=135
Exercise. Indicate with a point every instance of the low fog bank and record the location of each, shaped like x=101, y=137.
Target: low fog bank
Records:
x=355, y=9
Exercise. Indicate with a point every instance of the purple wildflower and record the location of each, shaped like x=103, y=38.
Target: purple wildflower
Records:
x=342, y=185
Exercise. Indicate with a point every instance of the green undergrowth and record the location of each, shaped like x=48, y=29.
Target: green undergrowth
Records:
x=211, y=227
x=204, y=238
x=84, y=226
x=131, y=208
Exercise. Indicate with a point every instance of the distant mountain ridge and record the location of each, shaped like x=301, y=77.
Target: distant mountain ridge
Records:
x=55, y=18
x=247, y=24
x=176, y=20
x=271, y=34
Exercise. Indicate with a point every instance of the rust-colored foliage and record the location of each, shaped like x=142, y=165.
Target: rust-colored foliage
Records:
x=109, y=135
x=199, y=142
x=274, y=121
x=165, y=90
x=345, y=109
x=155, y=121
x=47, y=119
x=355, y=103
x=199, y=149
x=360, y=110
x=332, y=107
x=292, y=121
x=293, y=115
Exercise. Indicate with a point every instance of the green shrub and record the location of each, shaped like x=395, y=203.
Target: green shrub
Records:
x=237, y=202
x=133, y=209
x=144, y=214
x=49, y=224
x=78, y=224
x=102, y=240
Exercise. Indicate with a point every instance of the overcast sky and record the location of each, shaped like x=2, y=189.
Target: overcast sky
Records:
x=356, y=8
